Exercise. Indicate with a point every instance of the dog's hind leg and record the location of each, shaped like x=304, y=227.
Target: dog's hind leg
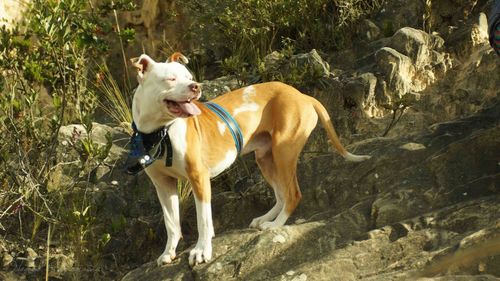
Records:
x=279, y=165
x=287, y=188
x=264, y=158
x=167, y=194
x=288, y=140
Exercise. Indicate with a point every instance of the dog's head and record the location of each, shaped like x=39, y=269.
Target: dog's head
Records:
x=165, y=88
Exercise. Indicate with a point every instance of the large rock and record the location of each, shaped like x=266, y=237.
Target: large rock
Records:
x=11, y=12
x=390, y=75
x=219, y=86
x=71, y=154
x=418, y=200
x=418, y=45
x=412, y=61
x=361, y=91
x=417, y=72
x=299, y=70
x=398, y=71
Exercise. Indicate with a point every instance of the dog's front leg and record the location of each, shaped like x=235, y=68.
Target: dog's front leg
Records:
x=166, y=188
x=202, y=252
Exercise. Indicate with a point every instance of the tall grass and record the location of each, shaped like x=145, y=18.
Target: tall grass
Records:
x=115, y=103
x=184, y=191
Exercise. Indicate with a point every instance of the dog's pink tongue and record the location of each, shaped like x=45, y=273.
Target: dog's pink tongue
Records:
x=190, y=108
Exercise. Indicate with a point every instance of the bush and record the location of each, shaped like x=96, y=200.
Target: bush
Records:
x=248, y=30
x=47, y=67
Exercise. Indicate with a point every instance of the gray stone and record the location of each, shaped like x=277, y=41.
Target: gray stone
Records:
x=369, y=30
x=310, y=60
x=219, y=86
x=31, y=256
x=397, y=69
x=299, y=69
x=64, y=263
x=6, y=259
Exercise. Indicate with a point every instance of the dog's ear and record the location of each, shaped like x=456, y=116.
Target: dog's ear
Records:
x=143, y=64
x=178, y=57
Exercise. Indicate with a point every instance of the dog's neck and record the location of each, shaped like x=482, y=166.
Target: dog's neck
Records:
x=145, y=115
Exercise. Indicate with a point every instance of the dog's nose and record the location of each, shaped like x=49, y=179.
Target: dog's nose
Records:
x=195, y=88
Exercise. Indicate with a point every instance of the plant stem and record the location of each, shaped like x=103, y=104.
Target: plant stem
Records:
x=394, y=120
x=47, y=255
x=125, y=78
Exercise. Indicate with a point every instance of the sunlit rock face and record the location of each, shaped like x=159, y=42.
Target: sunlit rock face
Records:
x=11, y=12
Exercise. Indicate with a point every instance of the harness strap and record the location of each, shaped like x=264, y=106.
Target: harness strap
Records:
x=166, y=143
x=233, y=126
x=146, y=148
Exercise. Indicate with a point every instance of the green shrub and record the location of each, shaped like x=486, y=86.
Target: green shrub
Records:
x=46, y=65
x=246, y=31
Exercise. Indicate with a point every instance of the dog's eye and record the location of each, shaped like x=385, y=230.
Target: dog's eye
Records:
x=170, y=79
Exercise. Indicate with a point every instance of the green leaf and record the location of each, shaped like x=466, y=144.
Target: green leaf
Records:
x=85, y=211
x=56, y=101
x=106, y=237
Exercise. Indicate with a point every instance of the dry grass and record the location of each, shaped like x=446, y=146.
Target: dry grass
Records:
x=115, y=103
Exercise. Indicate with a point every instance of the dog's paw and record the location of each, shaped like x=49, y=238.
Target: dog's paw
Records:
x=262, y=224
x=165, y=258
x=200, y=254
x=256, y=223
x=268, y=225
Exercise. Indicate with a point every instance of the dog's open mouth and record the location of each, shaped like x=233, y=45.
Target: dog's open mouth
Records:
x=182, y=108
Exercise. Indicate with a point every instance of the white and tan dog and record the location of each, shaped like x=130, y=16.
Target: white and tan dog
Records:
x=275, y=121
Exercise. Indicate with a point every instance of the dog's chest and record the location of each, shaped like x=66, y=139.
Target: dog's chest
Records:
x=177, y=133
x=223, y=158
x=223, y=164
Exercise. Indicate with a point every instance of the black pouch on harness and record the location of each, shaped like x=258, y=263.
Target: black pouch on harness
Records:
x=138, y=158
x=146, y=148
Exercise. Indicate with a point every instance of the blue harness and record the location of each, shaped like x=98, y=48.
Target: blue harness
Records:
x=230, y=123
x=146, y=148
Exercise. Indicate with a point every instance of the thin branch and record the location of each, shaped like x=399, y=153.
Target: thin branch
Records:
x=125, y=79
x=394, y=121
x=47, y=255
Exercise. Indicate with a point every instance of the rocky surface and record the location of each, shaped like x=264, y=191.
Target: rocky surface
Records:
x=420, y=208
x=12, y=12
x=418, y=199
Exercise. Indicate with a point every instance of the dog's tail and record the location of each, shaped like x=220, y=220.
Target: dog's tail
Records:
x=332, y=135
